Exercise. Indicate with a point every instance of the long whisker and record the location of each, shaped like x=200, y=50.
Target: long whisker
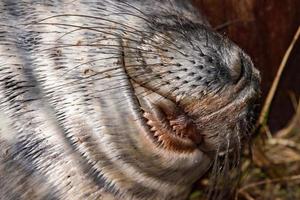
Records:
x=114, y=34
x=134, y=30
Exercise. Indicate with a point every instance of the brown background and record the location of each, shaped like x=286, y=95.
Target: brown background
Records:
x=264, y=29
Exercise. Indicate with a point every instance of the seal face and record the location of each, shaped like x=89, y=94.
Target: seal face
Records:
x=198, y=87
x=117, y=99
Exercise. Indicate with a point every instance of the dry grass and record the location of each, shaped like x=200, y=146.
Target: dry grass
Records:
x=272, y=170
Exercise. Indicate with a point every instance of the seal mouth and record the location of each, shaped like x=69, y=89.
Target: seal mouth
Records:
x=169, y=126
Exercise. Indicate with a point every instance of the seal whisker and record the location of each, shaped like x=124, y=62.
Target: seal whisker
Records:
x=166, y=38
x=91, y=61
x=107, y=46
x=87, y=78
x=107, y=58
x=134, y=7
x=128, y=97
x=214, y=175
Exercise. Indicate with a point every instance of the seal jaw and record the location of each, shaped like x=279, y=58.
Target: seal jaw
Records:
x=194, y=94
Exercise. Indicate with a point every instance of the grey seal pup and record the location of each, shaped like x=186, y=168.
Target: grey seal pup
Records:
x=117, y=99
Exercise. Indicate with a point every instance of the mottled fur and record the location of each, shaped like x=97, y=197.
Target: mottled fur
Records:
x=76, y=79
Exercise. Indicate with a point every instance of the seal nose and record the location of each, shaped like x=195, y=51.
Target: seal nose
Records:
x=237, y=71
x=240, y=66
x=236, y=67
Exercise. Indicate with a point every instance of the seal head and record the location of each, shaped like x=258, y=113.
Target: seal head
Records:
x=197, y=89
x=117, y=99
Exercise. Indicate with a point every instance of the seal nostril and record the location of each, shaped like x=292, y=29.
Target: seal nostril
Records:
x=238, y=71
x=236, y=67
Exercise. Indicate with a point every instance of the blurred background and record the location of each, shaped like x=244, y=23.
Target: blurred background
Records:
x=265, y=29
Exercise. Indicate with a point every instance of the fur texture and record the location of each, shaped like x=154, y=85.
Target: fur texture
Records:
x=117, y=99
